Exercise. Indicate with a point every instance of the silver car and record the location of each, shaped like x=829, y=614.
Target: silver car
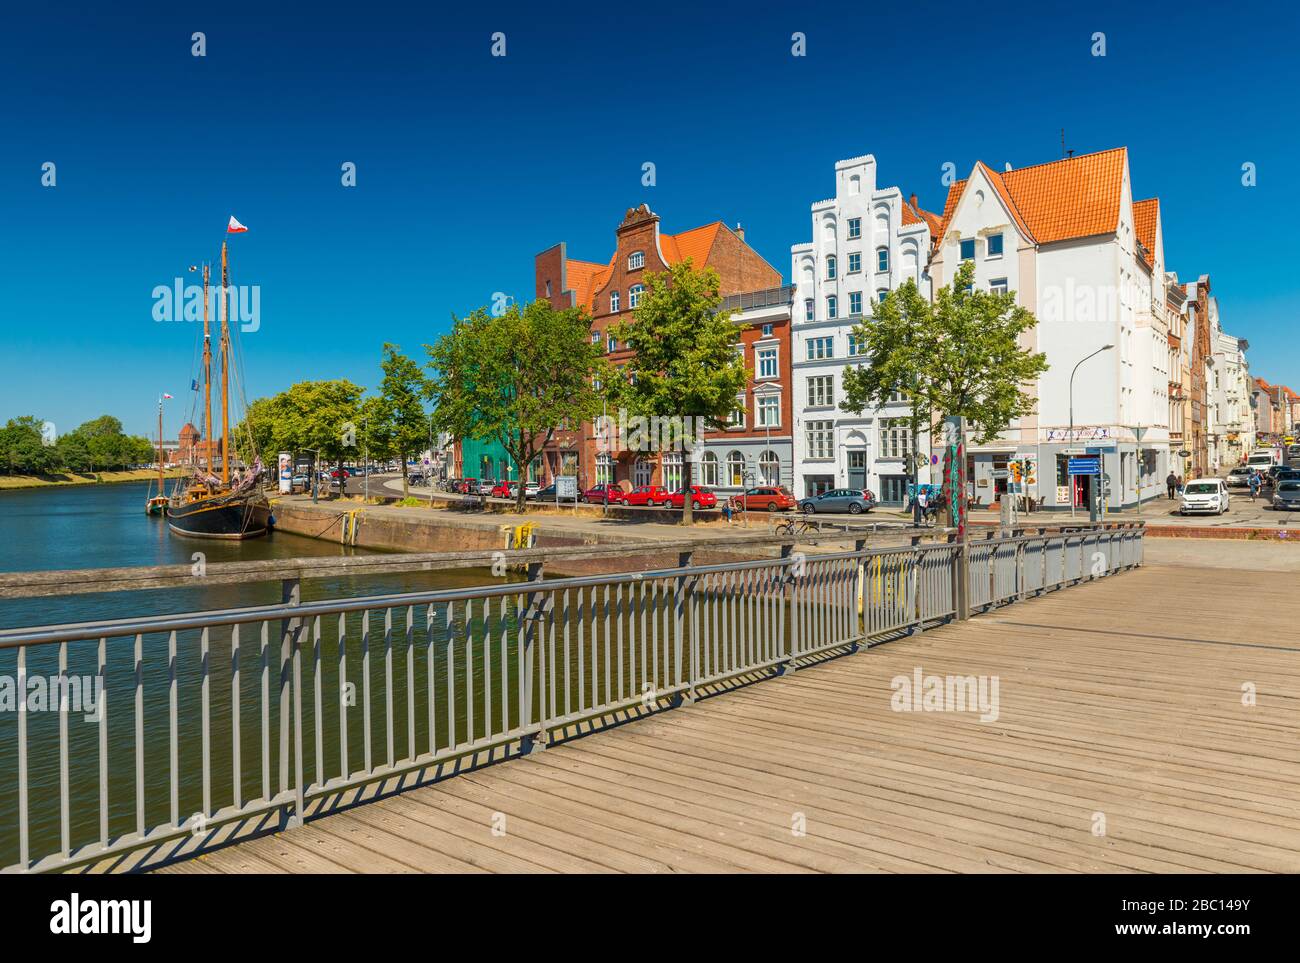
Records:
x=852, y=500
x=1287, y=495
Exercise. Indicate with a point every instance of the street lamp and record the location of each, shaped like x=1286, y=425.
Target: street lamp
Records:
x=1104, y=347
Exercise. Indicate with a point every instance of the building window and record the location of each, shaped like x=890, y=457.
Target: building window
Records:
x=808, y=309
x=634, y=295
x=641, y=471
x=998, y=286
x=604, y=469
x=767, y=362
x=737, y=417
x=855, y=303
x=613, y=302
x=636, y=260
x=994, y=243
x=857, y=345
x=830, y=267
x=821, y=439
x=769, y=469
x=736, y=470
x=612, y=344
x=821, y=391
x=672, y=464
x=548, y=289
x=832, y=307
x=855, y=262
x=895, y=437
x=595, y=337
x=855, y=227
x=881, y=295
x=882, y=259
x=709, y=469
x=968, y=249
x=767, y=330
x=769, y=411
x=819, y=348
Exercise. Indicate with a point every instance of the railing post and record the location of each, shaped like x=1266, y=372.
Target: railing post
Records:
x=534, y=612
x=914, y=588
x=683, y=592
x=788, y=574
x=290, y=629
x=959, y=561
x=860, y=566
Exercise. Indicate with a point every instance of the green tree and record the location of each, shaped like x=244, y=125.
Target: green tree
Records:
x=402, y=391
x=376, y=438
x=959, y=356
x=515, y=377
x=318, y=416
x=23, y=449
x=685, y=363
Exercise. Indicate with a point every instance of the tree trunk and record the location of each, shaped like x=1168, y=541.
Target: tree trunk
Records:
x=520, y=498
x=688, y=511
x=406, y=485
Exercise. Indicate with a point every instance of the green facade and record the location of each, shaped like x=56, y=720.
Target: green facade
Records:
x=486, y=460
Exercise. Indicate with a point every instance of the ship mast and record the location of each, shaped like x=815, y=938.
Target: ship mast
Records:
x=225, y=371
x=207, y=374
x=160, y=449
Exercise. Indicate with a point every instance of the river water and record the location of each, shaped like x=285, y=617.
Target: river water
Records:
x=101, y=526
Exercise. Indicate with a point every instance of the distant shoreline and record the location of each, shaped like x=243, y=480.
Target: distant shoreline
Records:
x=62, y=480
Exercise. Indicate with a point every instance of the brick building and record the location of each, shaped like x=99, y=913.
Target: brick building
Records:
x=758, y=441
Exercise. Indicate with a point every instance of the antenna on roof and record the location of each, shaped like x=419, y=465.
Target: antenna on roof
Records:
x=1063, y=142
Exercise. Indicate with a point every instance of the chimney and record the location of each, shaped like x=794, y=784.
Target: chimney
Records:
x=1007, y=166
x=915, y=205
x=740, y=231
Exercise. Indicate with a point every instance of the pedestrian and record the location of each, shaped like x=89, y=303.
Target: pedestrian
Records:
x=1171, y=483
x=922, y=501
x=1255, y=484
x=1179, y=485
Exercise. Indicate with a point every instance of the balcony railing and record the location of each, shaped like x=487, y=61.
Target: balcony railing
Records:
x=768, y=298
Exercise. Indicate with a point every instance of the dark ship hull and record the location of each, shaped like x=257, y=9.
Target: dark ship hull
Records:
x=231, y=515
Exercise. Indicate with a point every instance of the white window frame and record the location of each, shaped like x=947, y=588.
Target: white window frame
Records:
x=762, y=356
x=988, y=246
x=634, y=295
x=820, y=348
x=820, y=391
x=855, y=262
x=709, y=470
x=882, y=254
x=832, y=307
x=855, y=304
x=998, y=286
x=735, y=469
x=613, y=302
x=636, y=260
x=820, y=440
x=739, y=414
x=855, y=228
x=831, y=266
x=767, y=410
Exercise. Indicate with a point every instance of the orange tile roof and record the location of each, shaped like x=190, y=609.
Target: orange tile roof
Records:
x=1146, y=214
x=585, y=278
x=694, y=244
x=1068, y=198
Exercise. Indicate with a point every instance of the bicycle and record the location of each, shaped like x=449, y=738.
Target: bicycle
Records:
x=797, y=526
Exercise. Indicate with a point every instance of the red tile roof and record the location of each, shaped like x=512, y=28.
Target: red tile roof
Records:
x=1069, y=198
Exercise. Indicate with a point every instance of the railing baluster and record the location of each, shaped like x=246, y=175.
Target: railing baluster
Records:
x=101, y=707
x=24, y=830
x=65, y=827
x=451, y=669
x=205, y=702
x=469, y=669
x=139, y=734
x=410, y=682
x=388, y=681
x=429, y=671
x=266, y=710
x=174, y=777
x=236, y=790
x=366, y=720
x=344, y=768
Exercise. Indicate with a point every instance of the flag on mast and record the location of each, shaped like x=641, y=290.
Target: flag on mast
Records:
x=234, y=227
x=166, y=395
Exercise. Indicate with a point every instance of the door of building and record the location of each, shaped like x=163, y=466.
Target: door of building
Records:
x=893, y=489
x=857, y=469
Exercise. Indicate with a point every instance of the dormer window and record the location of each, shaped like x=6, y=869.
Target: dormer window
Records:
x=613, y=302
x=636, y=260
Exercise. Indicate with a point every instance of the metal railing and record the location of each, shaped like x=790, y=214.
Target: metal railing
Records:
x=213, y=723
x=767, y=298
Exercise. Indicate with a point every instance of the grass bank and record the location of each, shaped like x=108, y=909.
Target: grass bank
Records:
x=79, y=478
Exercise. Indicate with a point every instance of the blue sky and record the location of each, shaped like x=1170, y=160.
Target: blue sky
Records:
x=468, y=165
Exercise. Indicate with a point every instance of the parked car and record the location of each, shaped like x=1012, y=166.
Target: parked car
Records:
x=701, y=497
x=341, y=473
x=1287, y=494
x=769, y=498
x=1239, y=477
x=546, y=494
x=502, y=489
x=855, y=501
x=604, y=493
x=303, y=480
x=415, y=478
x=1279, y=475
x=650, y=495
x=467, y=486
x=1204, y=495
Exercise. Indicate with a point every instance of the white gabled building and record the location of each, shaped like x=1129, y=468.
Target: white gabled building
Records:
x=1065, y=237
x=866, y=243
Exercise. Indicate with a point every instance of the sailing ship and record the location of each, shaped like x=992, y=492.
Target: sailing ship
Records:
x=212, y=503
x=157, y=504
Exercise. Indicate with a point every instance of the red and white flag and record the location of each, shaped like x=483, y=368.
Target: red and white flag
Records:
x=234, y=227
x=165, y=395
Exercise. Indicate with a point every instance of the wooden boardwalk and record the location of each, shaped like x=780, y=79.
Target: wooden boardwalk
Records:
x=1119, y=700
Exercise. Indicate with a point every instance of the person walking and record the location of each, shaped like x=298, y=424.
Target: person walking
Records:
x=1179, y=486
x=1255, y=484
x=1171, y=483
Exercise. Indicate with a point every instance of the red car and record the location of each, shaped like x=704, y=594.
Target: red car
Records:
x=609, y=494
x=648, y=495
x=701, y=497
x=465, y=486
x=767, y=498
x=502, y=490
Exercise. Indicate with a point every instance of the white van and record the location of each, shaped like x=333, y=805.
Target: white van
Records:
x=1264, y=458
x=1209, y=495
